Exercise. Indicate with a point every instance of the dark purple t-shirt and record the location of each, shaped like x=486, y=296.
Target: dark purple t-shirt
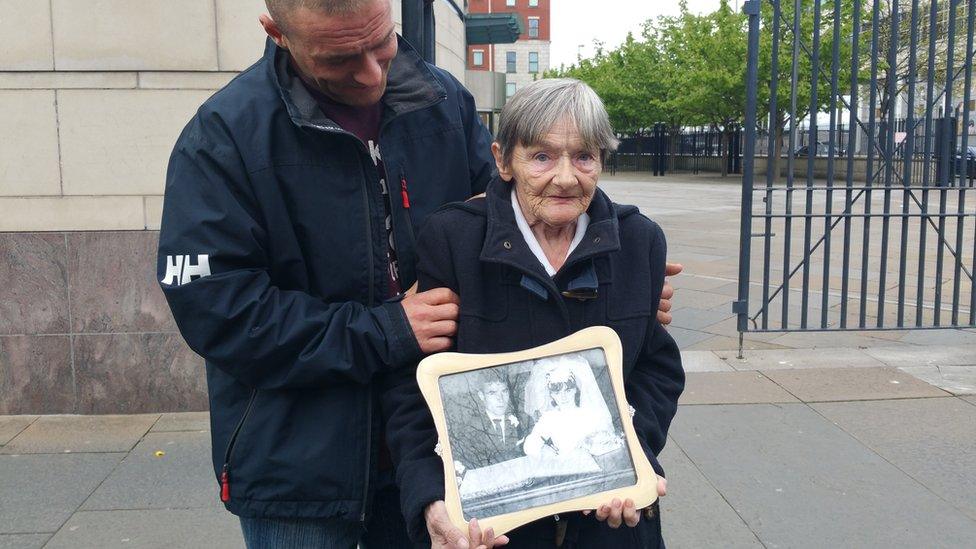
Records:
x=364, y=123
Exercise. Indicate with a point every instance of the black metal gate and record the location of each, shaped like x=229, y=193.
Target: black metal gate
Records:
x=865, y=226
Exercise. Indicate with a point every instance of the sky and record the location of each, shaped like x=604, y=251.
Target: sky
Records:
x=576, y=23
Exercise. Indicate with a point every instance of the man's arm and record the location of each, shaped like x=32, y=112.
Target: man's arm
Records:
x=657, y=380
x=232, y=314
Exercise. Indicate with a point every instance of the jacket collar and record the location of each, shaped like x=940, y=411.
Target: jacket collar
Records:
x=410, y=86
x=504, y=242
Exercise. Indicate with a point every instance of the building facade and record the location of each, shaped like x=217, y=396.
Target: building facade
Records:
x=93, y=95
x=526, y=59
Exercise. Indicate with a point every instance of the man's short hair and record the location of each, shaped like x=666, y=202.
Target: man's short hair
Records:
x=281, y=9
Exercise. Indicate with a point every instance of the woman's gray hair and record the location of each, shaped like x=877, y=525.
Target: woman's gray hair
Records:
x=531, y=112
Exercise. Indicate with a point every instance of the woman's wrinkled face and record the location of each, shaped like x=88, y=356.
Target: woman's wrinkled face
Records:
x=555, y=179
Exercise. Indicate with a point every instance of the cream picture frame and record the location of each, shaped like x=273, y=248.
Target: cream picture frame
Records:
x=571, y=459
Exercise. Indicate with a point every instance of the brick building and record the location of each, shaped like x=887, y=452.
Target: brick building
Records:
x=526, y=59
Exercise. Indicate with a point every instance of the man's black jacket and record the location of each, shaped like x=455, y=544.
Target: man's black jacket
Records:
x=272, y=256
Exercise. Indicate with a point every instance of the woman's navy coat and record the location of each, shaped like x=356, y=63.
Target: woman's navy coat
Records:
x=509, y=303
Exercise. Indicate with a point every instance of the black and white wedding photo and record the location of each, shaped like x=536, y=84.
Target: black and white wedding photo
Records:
x=535, y=432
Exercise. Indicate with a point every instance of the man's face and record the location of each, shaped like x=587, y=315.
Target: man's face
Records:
x=346, y=57
x=494, y=395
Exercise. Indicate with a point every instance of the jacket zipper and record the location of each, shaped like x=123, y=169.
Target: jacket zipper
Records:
x=225, y=470
x=369, y=393
x=405, y=195
x=369, y=442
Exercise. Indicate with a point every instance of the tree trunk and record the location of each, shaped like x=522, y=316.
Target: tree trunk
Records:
x=777, y=149
x=726, y=154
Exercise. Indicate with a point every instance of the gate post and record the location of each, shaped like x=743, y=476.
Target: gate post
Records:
x=741, y=307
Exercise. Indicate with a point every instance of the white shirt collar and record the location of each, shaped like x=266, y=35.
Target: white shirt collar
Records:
x=581, y=223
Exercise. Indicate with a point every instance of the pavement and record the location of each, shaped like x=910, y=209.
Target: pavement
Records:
x=837, y=439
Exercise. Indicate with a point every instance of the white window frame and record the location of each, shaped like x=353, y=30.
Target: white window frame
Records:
x=514, y=65
x=510, y=89
x=537, y=25
x=474, y=58
x=536, y=54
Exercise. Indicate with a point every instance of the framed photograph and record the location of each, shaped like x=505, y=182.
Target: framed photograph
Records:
x=534, y=433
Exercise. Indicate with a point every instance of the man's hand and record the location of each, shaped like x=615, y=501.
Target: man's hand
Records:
x=664, y=305
x=433, y=318
x=443, y=534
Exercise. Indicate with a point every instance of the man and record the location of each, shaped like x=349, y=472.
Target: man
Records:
x=285, y=247
x=492, y=433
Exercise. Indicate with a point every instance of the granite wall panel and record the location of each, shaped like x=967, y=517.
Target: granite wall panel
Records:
x=138, y=373
x=35, y=375
x=33, y=296
x=113, y=284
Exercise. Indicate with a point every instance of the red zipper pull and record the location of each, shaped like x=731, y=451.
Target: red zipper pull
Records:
x=403, y=192
x=224, y=485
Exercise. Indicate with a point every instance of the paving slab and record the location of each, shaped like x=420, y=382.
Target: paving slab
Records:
x=692, y=502
x=701, y=299
x=692, y=281
x=837, y=384
x=696, y=319
x=703, y=361
x=23, y=541
x=160, y=529
x=940, y=337
x=730, y=345
x=935, y=355
x=958, y=380
x=789, y=359
x=686, y=338
x=916, y=434
x=799, y=481
x=814, y=340
x=39, y=492
x=181, y=478
x=11, y=426
x=67, y=434
x=731, y=388
x=183, y=421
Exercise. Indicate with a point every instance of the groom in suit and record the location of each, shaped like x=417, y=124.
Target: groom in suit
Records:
x=492, y=433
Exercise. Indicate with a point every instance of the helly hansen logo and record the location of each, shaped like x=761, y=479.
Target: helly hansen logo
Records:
x=181, y=269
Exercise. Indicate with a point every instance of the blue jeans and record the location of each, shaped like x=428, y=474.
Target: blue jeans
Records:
x=384, y=530
x=287, y=533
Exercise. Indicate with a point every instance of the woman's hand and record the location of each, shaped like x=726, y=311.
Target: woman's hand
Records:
x=443, y=534
x=617, y=513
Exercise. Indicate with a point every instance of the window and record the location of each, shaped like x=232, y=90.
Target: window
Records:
x=510, y=61
x=533, y=27
x=533, y=3
x=509, y=3
x=478, y=58
x=533, y=61
x=509, y=89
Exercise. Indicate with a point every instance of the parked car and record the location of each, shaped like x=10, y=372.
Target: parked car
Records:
x=822, y=148
x=970, y=163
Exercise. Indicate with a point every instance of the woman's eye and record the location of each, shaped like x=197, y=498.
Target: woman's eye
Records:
x=541, y=157
x=585, y=157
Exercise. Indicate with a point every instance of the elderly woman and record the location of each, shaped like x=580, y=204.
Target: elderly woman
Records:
x=545, y=253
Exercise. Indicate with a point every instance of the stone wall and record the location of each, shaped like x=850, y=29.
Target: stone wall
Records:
x=93, y=94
